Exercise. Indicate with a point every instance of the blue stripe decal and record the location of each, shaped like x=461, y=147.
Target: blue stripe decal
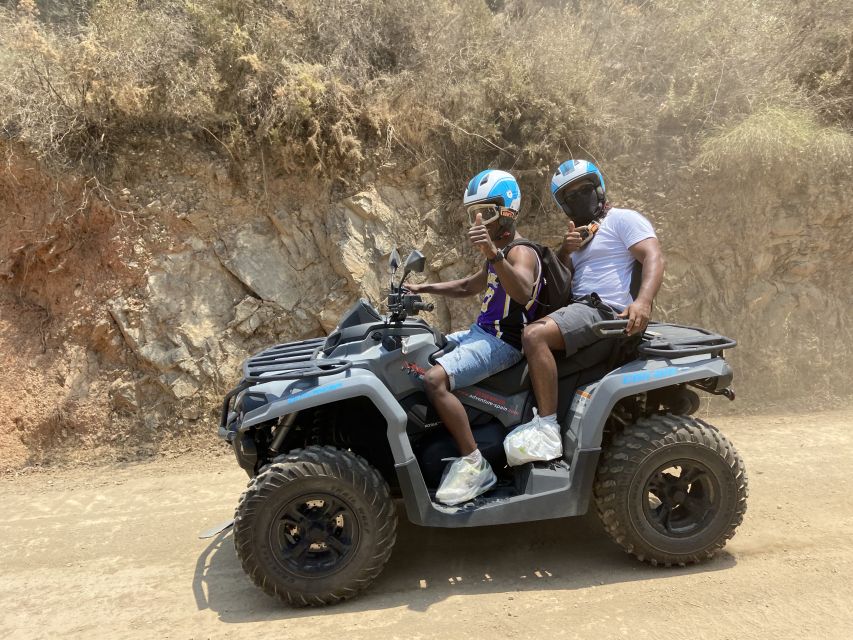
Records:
x=475, y=182
x=646, y=376
x=501, y=189
x=314, y=392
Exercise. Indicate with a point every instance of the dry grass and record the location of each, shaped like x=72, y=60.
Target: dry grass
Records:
x=336, y=87
x=775, y=139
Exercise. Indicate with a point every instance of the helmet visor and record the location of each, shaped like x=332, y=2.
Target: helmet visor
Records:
x=575, y=199
x=490, y=213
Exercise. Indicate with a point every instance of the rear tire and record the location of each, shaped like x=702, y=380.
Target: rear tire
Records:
x=671, y=490
x=315, y=527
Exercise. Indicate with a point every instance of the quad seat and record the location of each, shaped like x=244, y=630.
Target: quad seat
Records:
x=592, y=359
x=590, y=362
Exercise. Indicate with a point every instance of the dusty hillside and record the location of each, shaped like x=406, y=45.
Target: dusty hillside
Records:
x=167, y=210
x=126, y=326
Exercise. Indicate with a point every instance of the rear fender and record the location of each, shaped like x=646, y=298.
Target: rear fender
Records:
x=590, y=414
x=286, y=397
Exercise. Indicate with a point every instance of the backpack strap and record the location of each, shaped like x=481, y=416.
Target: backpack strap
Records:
x=537, y=250
x=592, y=300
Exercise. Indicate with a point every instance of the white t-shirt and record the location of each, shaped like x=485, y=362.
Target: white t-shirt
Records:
x=604, y=266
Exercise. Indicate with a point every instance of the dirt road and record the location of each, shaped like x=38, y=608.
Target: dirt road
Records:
x=113, y=553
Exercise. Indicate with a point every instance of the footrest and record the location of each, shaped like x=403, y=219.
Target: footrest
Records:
x=541, y=477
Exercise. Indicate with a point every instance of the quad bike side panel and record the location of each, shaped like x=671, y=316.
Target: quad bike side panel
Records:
x=554, y=493
x=634, y=378
x=558, y=493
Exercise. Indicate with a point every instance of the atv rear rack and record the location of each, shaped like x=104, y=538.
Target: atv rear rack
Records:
x=669, y=340
x=289, y=361
x=679, y=341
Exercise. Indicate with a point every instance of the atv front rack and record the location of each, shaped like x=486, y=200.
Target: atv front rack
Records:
x=290, y=361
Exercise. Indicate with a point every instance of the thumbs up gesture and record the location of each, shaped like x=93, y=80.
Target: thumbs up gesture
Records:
x=479, y=237
x=572, y=240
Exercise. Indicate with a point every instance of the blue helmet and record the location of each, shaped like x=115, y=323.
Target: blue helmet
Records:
x=493, y=186
x=574, y=171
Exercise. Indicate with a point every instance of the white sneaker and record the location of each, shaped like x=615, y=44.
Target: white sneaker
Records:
x=464, y=481
x=532, y=441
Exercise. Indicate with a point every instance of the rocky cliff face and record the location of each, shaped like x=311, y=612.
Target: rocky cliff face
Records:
x=128, y=307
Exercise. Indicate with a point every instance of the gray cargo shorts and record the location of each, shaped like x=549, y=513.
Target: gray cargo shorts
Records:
x=575, y=322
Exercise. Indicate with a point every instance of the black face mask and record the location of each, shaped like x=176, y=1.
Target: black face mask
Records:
x=582, y=205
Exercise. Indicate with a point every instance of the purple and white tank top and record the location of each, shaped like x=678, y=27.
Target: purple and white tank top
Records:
x=502, y=316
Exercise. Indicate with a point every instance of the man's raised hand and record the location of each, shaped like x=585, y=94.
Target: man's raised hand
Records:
x=572, y=240
x=479, y=237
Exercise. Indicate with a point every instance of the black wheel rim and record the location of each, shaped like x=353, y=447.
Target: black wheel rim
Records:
x=681, y=498
x=315, y=535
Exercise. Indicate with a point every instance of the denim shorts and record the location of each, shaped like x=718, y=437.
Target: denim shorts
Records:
x=477, y=356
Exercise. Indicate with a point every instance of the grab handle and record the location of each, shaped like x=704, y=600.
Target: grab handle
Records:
x=610, y=328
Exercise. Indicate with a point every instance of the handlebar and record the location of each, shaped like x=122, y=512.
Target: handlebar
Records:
x=401, y=303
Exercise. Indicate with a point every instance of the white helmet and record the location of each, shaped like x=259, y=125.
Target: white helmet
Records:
x=572, y=172
x=493, y=186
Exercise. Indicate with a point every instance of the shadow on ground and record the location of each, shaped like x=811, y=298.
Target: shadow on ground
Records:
x=429, y=565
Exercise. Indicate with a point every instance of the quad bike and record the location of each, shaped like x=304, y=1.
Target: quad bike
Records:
x=331, y=430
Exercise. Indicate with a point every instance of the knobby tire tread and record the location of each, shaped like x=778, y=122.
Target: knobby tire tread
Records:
x=622, y=458
x=316, y=461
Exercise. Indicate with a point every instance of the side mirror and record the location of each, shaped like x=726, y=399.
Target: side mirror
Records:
x=393, y=261
x=414, y=262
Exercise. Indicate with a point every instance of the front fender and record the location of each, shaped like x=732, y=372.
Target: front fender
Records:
x=286, y=397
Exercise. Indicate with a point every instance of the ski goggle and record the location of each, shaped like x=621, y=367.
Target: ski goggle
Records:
x=490, y=212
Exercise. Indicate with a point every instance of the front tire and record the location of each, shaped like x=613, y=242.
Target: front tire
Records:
x=671, y=490
x=315, y=527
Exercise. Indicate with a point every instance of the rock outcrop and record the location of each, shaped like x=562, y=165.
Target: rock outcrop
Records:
x=195, y=271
